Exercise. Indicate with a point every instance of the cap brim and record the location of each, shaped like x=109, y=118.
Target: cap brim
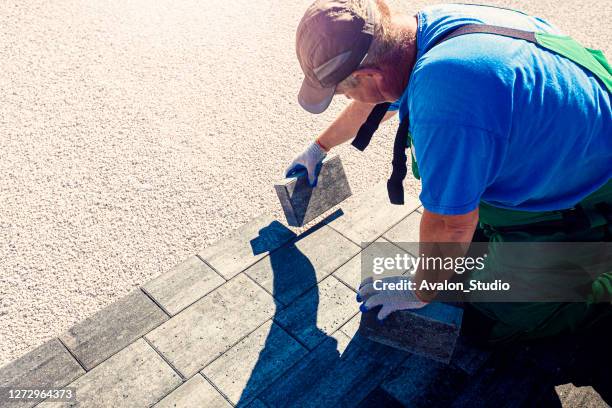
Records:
x=315, y=99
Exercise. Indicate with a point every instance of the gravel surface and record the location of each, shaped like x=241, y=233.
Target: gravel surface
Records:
x=134, y=133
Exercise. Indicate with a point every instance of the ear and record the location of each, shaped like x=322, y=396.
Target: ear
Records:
x=368, y=72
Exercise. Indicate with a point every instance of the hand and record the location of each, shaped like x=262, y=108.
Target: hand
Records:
x=309, y=160
x=390, y=300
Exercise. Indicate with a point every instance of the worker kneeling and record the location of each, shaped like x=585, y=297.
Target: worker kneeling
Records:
x=509, y=126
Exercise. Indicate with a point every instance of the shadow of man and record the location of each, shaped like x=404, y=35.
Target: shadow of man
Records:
x=326, y=374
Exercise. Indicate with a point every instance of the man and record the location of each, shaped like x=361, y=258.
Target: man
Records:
x=504, y=131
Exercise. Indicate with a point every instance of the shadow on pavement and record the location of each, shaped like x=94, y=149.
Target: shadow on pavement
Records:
x=349, y=373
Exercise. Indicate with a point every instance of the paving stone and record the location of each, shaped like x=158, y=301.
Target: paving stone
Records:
x=135, y=377
x=420, y=382
x=431, y=331
x=370, y=214
x=257, y=404
x=48, y=366
x=199, y=334
x=407, y=231
x=339, y=372
x=183, y=285
x=319, y=312
x=302, y=203
x=114, y=327
x=469, y=357
x=519, y=382
x=351, y=327
x=350, y=273
x=296, y=267
x=572, y=396
x=196, y=392
x=246, y=245
x=251, y=365
x=380, y=398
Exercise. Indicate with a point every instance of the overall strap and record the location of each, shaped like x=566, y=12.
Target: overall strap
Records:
x=489, y=29
x=367, y=129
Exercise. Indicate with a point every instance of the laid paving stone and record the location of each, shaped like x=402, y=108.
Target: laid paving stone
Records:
x=319, y=312
x=114, y=327
x=431, y=331
x=257, y=404
x=572, y=396
x=420, y=382
x=47, y=366
x=369, y=215
x=469, y=357
x=338, y=372
x=380, y=398
x=246, y=245
x=196, y=392
x=205, y=330
x=296, y=267
x=351, y=328
x=351, y=272
x=183, y=285
x=255, y=362
x=302, y=203
x=406, y=232
x=135, y=377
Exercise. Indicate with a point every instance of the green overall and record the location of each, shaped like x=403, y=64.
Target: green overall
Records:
x=522, y=321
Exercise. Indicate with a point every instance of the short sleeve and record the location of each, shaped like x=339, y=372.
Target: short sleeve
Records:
x=394, y=106
x=456, y=163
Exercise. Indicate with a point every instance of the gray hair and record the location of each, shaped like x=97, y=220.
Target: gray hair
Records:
x=383, y=44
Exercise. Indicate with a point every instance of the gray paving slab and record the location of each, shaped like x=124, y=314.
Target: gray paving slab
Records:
x=338, y=373
x=257, y=403
x=361, y=266
x=319, y=312
x=199, y=334
x=421, y=382
x=351, y=328
x=135, y=377
x=302, y=203
x=254, y=363
x=195, y=392
x=431, y=331
x=584, y=397
x=48, y=366
x=469, y=357
x=296, y=267
x=350, y=273
x=369, y=215
x=246, y=245
x=96, y=338
x=405, y=232
x=183, y=285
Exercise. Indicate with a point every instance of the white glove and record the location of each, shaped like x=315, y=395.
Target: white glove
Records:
x=309, y=159
x=390, y=300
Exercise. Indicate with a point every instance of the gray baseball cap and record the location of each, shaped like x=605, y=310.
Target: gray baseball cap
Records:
x=332, y=41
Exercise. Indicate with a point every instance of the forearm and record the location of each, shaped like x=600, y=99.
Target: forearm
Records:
x=454, y=233
x=347, y=124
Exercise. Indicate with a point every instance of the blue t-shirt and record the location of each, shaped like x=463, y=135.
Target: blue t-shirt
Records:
x=502, y=120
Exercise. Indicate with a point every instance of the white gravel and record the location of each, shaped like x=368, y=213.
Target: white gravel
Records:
x=134, y=133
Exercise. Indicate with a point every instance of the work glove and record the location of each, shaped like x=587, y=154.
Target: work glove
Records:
x=390, y=300
x=309, y=160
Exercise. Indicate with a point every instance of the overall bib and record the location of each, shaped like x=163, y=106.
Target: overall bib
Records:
x=590, y=220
